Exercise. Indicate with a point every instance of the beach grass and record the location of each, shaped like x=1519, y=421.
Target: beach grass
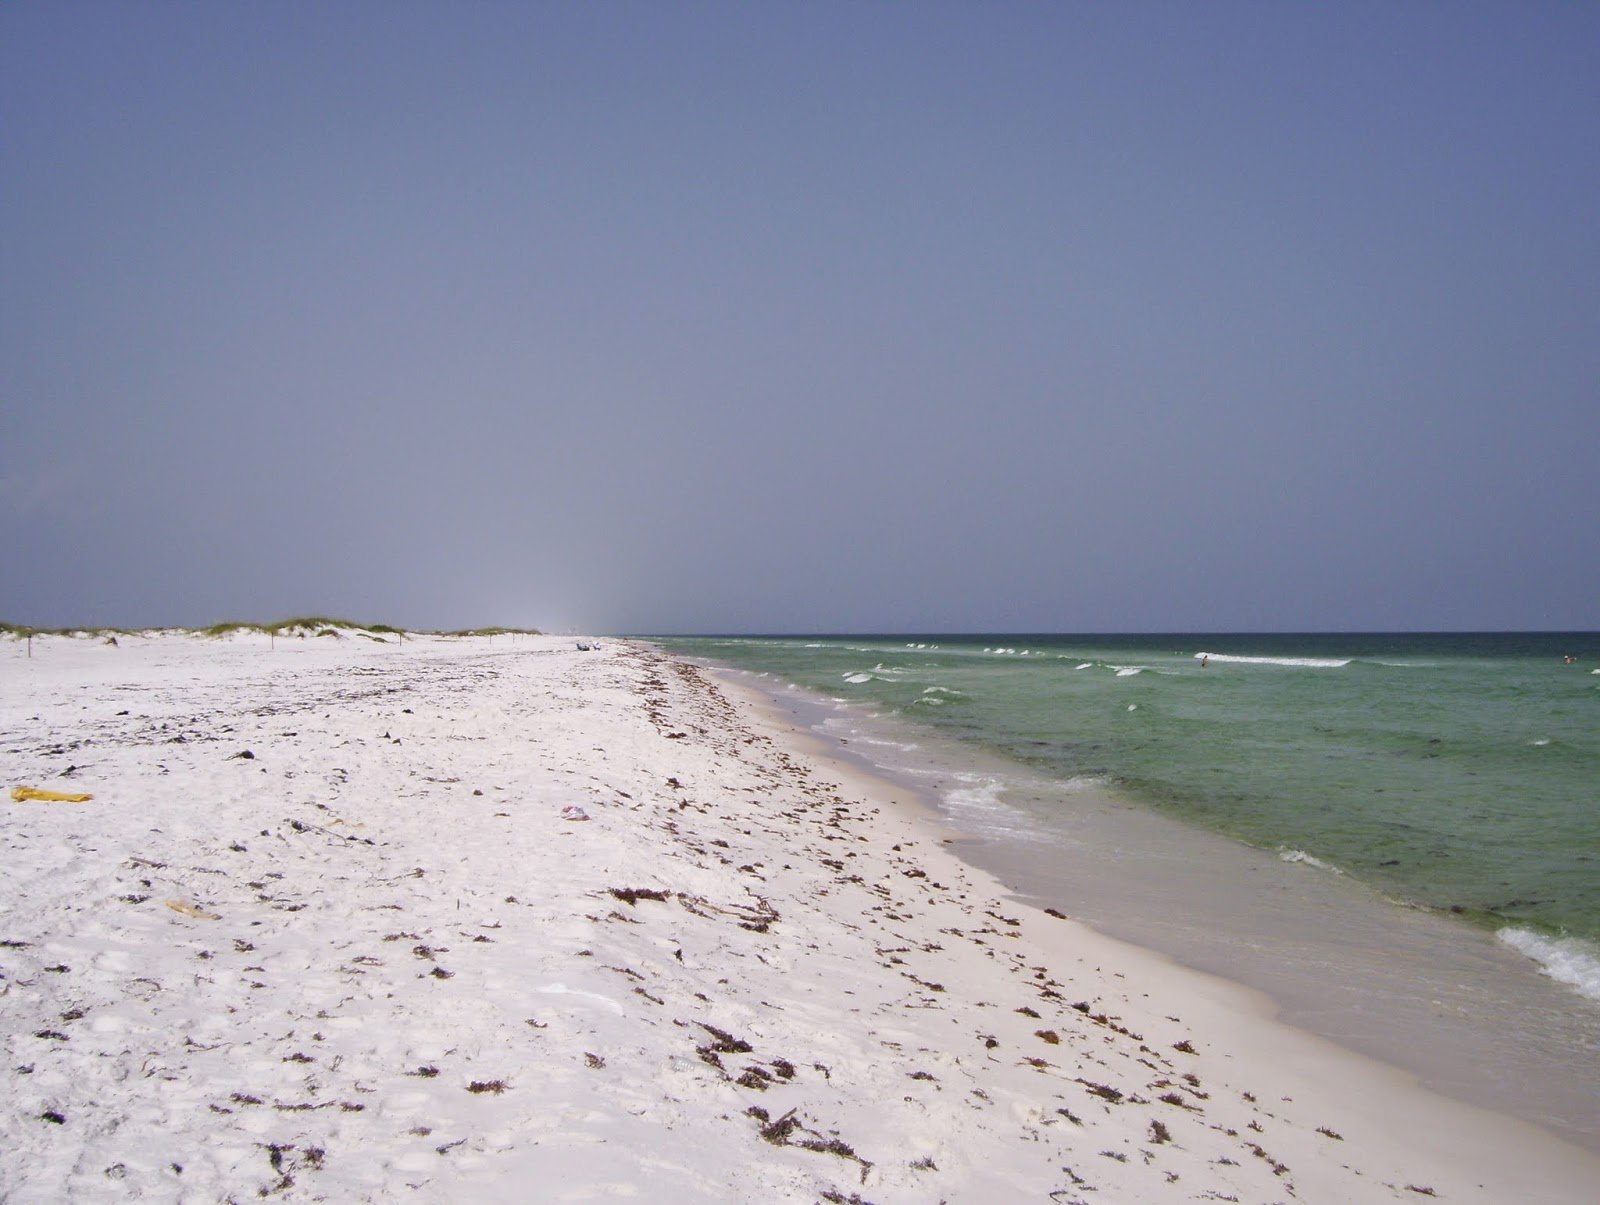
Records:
x=299, y=625
x=22, y=631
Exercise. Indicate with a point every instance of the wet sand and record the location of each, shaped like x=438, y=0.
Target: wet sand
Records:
x=1431, y=996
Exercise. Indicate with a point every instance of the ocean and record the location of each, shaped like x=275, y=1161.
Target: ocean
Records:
x=1396, y=836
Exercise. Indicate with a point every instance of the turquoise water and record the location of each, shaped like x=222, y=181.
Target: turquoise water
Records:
x=1457, y=772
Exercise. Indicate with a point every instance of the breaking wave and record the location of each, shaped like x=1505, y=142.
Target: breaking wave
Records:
x=878, y=673
x=1300, y=855
x=1564, y=959
x=975, y=795
x=1298, y=662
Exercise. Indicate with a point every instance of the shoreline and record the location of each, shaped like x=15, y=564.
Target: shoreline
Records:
x=754, y=972
x=1437, y=1000
x=1251, y=1017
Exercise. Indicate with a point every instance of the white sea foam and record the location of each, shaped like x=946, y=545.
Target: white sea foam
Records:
x=1127, y=671
x=1086, y=782
x=978, y=804
x=857, y=678
x=1299, y=662
x=1542, y=742
x=1300, y=855
x=978, y=795
x=903, y=746
x=1087, y=665
x=1565, y=959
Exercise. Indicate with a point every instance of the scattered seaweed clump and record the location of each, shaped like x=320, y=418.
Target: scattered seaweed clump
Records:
x=632, y=895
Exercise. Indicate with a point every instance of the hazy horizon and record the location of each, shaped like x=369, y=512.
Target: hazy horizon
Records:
x=372, y=623
x=780, y=318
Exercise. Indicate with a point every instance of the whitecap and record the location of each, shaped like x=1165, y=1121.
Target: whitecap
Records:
x=1298, y=662
x=1541, y=743
x=1127, y=671
x=857, y=678
x=1087, y=665
x=1564, y=959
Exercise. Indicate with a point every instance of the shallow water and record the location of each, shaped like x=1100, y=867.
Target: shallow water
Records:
x=1302, y=821
x=1459, y=772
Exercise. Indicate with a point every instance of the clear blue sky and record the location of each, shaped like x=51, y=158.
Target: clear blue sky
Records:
x=801, y=316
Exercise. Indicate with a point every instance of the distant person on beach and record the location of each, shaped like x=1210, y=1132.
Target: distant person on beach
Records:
x=1204, y=658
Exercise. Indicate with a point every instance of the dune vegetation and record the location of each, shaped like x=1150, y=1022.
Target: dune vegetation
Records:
x=300, y=625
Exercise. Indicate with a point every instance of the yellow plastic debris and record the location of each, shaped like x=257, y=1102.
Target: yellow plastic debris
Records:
x=190, y=910
x=20, y=794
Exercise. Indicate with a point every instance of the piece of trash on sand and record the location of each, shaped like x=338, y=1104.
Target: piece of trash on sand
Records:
x=19, y=794
x=191, y=910
x=573, y=812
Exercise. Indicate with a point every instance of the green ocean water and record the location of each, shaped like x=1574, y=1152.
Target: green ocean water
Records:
x=1459, y=772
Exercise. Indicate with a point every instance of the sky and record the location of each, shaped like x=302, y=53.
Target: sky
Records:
x=801, y=317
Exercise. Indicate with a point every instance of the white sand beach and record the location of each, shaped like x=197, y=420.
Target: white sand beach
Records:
x=328, y=930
